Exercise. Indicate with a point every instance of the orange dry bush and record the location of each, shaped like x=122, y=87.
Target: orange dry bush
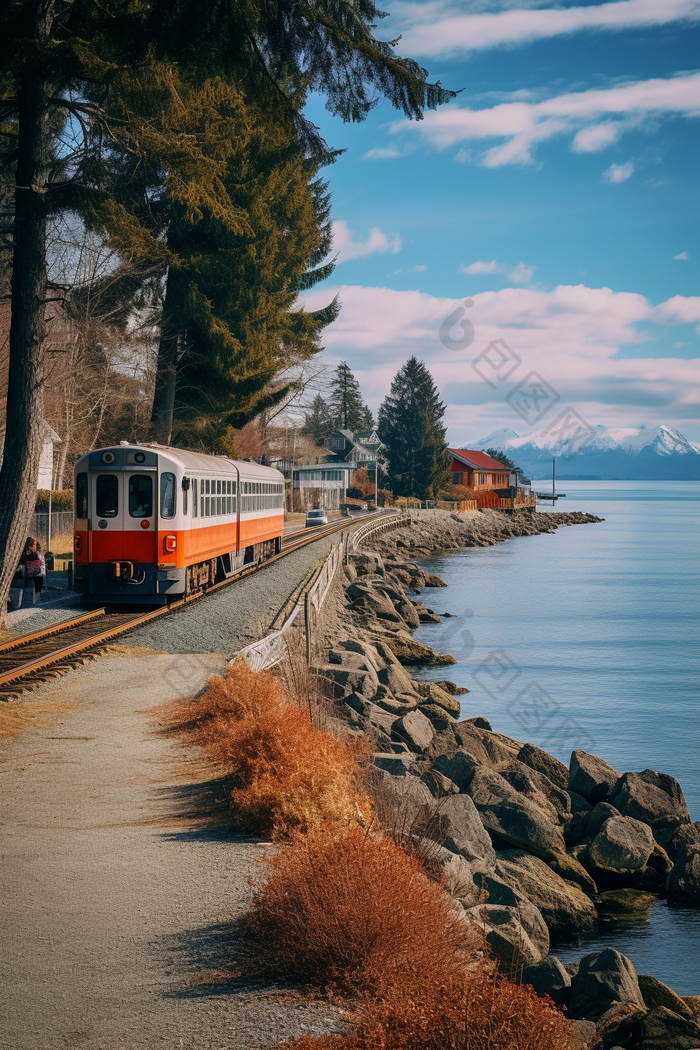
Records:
x=475, y=1012
x=354, y=914
x=290, y=775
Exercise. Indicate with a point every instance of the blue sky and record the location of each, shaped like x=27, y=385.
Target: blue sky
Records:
x=559, y=192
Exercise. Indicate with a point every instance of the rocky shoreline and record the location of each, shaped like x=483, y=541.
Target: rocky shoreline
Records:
x=531, y=850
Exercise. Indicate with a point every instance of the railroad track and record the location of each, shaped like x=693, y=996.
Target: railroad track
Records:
x=31, y=659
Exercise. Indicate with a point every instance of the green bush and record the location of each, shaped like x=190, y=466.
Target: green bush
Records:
x=60, y=501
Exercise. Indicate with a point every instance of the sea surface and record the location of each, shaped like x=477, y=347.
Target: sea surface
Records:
x=590, y=638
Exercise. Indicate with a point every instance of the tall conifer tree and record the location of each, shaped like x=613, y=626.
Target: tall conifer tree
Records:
x=411, y=429
x=348, y=410
x=318, y=423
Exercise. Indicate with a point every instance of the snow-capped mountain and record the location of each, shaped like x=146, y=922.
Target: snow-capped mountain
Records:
x=624, y=453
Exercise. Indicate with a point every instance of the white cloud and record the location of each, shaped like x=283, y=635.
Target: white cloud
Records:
x=442, y=30
x=380, y=153
x=571, y=335
x=523, y=124
x=420, y=268
x=521, y=274
x=346, y=247
x=619, y=172
x=481, y=267
x=681, y=257
x=596, y=137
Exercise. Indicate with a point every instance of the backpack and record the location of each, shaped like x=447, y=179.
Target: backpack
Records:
x=34, y=564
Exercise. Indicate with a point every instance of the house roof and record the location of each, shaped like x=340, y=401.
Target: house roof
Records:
x=476, y=460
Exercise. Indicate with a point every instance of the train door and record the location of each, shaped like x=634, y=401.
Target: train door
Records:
x=106, y=516
x=140, y=517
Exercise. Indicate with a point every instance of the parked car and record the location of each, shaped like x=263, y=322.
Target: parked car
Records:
x=315, y=517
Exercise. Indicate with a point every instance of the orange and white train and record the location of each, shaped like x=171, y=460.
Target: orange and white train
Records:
x=155, y=523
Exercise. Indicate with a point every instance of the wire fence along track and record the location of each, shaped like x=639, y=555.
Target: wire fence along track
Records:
x=372, y=528
x=29, y=659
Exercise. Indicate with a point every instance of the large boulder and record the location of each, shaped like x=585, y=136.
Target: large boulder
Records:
x=403, y=803
x=683, y=882
x=396, y=680
x=664, y=1029
x=601, y=812
x=512, y=818
x=621, y=847
x=414, y=730
x=369, y=652
x=549, y=977
x=457, y=873
x=458, y=767
x=486, y=747
x=341, y=680
x=572, y=870
x=435, y=694
x=552, y=800
x=624, y=901
x=545, y=763
x=654, y=798
x=517, y=935
x=397, y=765
x=438, y=716
x=591, y=777
x=564, y=906
x=458, y=827
x=656, y=993
x=604, y=979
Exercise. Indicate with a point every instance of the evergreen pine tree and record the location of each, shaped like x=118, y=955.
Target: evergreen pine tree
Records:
x=348, y=410
x=411, y=429
x=318, y=423
x=367, y=421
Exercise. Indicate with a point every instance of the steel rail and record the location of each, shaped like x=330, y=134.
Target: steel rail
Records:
x=14, y=675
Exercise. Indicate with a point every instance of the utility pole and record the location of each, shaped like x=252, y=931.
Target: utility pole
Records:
x=553, y=489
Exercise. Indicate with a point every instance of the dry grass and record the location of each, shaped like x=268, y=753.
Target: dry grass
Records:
x=16, y=717
x=355, y=915
x=291, y=777
x=474, y=1012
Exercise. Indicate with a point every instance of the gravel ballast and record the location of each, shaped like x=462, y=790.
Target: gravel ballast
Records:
x=227, y=620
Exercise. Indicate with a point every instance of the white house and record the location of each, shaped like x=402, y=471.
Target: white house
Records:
x=50, y=438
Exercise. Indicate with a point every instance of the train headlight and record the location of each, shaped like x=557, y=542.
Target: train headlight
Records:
x=107, y=457
x=145, y=523
x=139, y=457
x=170, y=543
x=77, y=543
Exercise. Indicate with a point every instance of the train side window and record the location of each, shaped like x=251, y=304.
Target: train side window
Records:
x=195, y=502
x=167, y=495
x=140, y=496
x=81, y=495
x=107, y=496
x=185, y=494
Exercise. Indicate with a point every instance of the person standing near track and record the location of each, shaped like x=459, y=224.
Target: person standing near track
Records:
x=34, y=566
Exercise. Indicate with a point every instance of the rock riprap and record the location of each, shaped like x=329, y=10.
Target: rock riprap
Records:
x=531, y=849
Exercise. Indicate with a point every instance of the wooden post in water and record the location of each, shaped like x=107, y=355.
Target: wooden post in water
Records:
x=553, y=488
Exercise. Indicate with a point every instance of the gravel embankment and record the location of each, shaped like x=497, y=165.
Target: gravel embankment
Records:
x=235, y=616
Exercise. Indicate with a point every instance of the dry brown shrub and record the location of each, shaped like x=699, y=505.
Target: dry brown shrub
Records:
x=475, y=1012
x=355, y=915
x=291, y=777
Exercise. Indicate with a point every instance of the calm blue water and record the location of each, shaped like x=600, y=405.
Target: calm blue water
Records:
x=591, y=638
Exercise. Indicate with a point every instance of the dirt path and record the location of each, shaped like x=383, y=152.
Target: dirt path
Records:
x=113, y=898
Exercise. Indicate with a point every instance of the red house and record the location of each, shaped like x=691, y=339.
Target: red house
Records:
x=477, y=470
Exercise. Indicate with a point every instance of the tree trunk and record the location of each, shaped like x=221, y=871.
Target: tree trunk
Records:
x=25, y=393
x=166, y=368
